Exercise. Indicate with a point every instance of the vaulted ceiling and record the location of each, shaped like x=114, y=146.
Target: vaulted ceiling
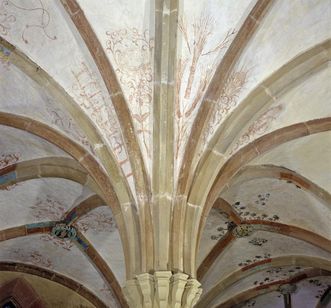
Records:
x=171, y=135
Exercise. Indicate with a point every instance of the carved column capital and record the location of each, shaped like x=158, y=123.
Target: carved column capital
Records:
x=162, y=290
x=161, y=281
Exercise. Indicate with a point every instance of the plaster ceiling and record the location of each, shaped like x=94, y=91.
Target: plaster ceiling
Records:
x=82, y=126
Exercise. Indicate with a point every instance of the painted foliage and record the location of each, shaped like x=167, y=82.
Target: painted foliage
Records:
x=90, y=97
x=31, y=256
x=227, y=101
x=257, y=258
x=66, y=123
x=261, y=202
x=132, y=52
x=47, y=208
x=221, y=229
x=99, y=220
x=66, y=244
x=39, y=18
x=320, y=285
x=277, y=273
x=193, y=76
x=259, y=127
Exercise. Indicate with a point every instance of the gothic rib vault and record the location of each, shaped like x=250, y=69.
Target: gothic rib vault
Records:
x=166, y=153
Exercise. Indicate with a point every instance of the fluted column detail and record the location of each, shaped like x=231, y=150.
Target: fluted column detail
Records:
x=162, y=290
x=178, y=284
x=161, y=280
x=191, y=289
x=146, y=283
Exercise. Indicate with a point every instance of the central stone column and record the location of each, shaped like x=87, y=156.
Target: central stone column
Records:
x=163, y=212
x=162, y=290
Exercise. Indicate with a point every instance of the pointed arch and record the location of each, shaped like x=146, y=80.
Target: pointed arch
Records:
x=263, y=225
x=81, y=241
x=42, y=78
x=239, y=43
x=290, y=260
x=270, y=287
x=91, y=166
x=251, y=172
x=251, y=151
x=119, y=181
x=182, y=212
x=125, y=119
x=55, y=277
x=284, y=79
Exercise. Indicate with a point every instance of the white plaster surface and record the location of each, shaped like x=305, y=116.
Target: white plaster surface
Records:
x=308, y=156
x=280, y=37
x=26, y=145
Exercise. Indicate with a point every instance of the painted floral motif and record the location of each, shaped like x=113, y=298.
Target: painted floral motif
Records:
x=7, y=160
x=88, y=94
x=228, y=100
x=258, y=127
x=256, y=241
x=222, y=228
x=62, y=243
x=321, y=286
x=277, y=273
x=132, y=53
x=248, y=215
x=97, y=221
x=8, y=16
x=6, y=19
x=255, y=259
x=262, y=199
x=191, y=72
x=67, y=124
x=48, y=208
x=33, y=257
